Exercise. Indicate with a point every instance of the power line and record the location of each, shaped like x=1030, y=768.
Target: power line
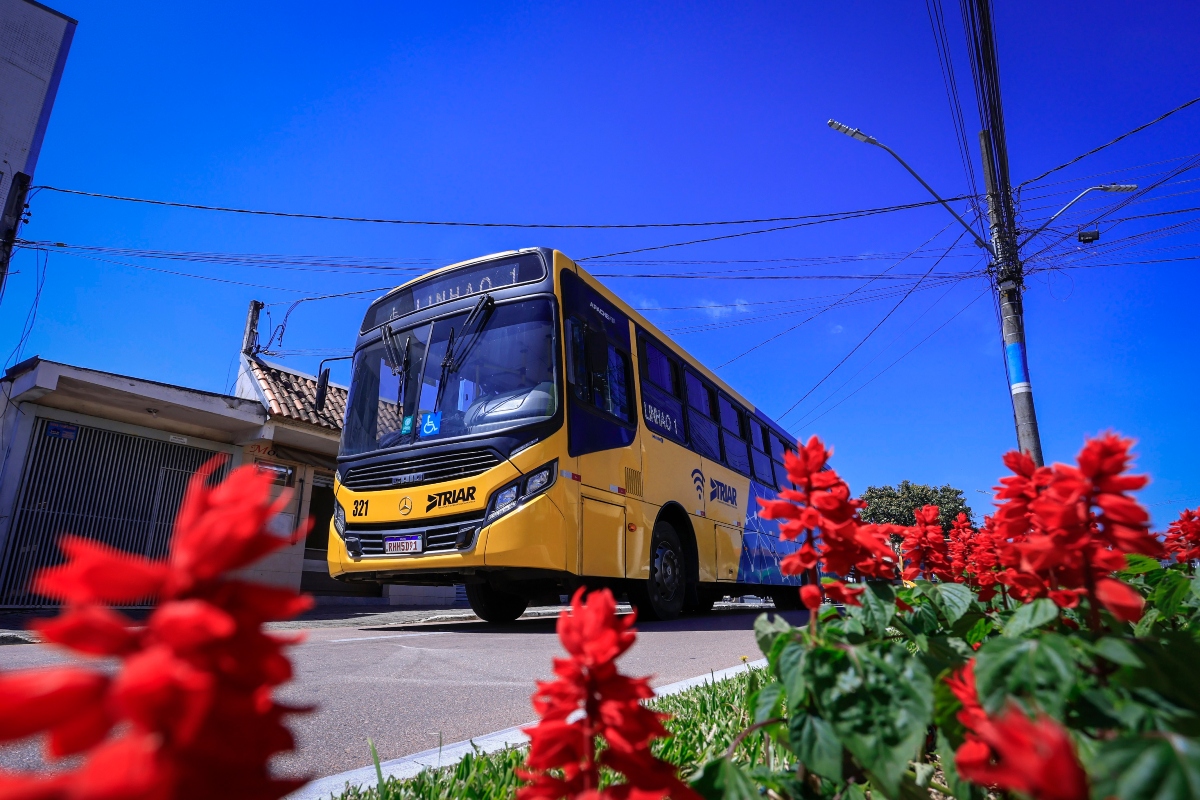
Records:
x=873, y=358
x=846, y=216
x=832, y=305
x=902, y=357
x=460, y=224
x=1125, y=135
x=856, y=347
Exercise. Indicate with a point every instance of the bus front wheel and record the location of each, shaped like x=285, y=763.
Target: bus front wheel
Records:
x=661, y=596
x=492, y=605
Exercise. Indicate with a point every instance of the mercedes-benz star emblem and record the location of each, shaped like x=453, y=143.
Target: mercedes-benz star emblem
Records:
x=406, y=505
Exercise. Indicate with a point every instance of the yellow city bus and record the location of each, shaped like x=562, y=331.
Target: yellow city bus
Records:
x=514, y=426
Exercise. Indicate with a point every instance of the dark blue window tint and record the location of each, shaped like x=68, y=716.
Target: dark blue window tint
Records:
x=736, y=454
x=705, y=436
x=661, y=370
x=699, y=396
x=612, y=393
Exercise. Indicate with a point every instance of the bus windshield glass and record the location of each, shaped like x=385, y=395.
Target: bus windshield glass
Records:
x=500, y=374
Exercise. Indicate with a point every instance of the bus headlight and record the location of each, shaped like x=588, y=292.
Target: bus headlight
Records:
x=512, y=495
x=339, y=519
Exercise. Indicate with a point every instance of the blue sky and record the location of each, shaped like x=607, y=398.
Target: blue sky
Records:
x=644, y=112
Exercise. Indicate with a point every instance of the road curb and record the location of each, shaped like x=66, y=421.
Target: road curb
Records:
x=451, y=754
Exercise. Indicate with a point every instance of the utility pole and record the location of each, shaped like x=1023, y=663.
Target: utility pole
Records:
x=250, y=336
x=1010, y=282
x=10, y=221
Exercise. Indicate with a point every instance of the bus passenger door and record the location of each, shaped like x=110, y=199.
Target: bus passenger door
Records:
x=602, y=430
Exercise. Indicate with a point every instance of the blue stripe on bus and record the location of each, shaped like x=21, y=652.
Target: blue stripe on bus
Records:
x=762, y=549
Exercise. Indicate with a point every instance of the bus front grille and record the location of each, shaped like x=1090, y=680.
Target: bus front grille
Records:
x=420, y=470
x=437, y=535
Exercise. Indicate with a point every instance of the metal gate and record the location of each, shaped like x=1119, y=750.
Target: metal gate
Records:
x=117, y=488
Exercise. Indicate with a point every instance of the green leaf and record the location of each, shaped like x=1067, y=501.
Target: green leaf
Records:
x=1169, y=668
x=1118, y=651
x=790, y=669
x=878, y=698
x=946, y=652
x=1152, y=767
x=1137, y=564
x=767, y=704
x=1169, y=593
x=1143, y=626
x=1041, y=669
x=767, y=629
x=952, y=599
x=979, y=631
x=816, y=745
x=1030, y=616
x=721, y=779
x=855, y=791
x=878, y=608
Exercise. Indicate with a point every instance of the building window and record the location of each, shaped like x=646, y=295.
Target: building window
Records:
x=281, y=474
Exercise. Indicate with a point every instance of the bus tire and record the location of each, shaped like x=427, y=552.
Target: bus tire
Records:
x=661, y=596
x=492, y=605
x=787, y=598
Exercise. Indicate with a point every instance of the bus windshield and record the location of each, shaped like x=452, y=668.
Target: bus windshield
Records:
x=500, y=375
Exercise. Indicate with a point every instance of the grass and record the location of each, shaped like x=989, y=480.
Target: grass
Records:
x=704, y=721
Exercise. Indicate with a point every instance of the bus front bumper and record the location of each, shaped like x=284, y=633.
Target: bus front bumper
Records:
x=533, y=536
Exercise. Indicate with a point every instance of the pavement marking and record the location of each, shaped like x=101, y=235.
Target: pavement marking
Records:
x=390, y=636
x=451, y=754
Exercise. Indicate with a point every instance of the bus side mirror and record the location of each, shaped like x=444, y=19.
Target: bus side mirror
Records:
x=322, y=390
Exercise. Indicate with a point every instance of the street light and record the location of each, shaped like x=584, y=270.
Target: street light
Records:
x=855, y=133
x=1105, y=187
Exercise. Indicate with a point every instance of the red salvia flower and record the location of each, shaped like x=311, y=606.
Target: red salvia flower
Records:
x=1012, y=752
x=192, y=701
x=590, y=698
x=925, y=546
x=1183, y=537
x=1063, y=530
x=822, y=515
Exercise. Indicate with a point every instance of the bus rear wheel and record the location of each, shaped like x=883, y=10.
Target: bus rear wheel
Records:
x=661, y=596
x=492, y=605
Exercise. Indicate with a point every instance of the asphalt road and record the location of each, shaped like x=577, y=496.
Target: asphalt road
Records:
x=408, y=686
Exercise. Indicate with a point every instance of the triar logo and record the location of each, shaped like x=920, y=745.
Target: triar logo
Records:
x=722, y=493
x=450, y=498
x=698, y=479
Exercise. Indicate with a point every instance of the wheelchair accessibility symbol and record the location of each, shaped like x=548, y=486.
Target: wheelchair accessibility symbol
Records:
x=431, y=424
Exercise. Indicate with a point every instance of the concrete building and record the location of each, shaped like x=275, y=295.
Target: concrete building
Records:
x=108, y=457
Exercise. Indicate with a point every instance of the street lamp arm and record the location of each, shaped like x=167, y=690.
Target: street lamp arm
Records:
x=855, y=133
x=1109, y=187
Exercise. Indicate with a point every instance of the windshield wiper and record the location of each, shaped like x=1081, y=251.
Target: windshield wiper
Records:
x=472, y=326
x=398, y=363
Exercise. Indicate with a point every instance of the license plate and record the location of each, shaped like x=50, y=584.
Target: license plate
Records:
x=402, y=544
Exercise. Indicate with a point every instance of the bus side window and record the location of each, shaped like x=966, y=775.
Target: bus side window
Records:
x=733, y=437
x=662, y=409
x=759, y=458
x=778, y=448
x=612, y=393
x=577, y=373
x=705, y=437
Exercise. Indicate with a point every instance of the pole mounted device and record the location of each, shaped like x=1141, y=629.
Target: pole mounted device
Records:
x=1107, y=187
